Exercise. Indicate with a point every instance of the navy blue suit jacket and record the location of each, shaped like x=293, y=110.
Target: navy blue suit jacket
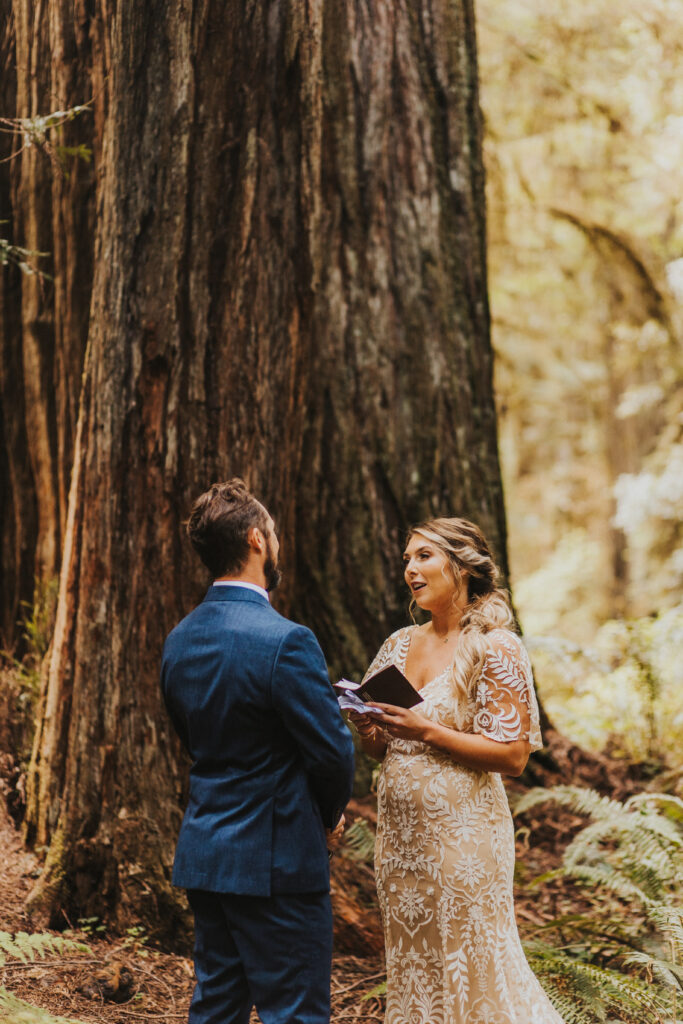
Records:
x=249, y=695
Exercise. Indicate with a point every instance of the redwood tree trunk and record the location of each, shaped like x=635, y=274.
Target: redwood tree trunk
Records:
x=48, y=206
x=289, y=284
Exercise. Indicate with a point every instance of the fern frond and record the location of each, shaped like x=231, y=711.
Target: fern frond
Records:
x=581, y=801
x=609, y=878
x=571, y=1011
x=669, y=921
x=588, y=928
x=16, y=1011
x=632, y=851
x=652, y=879
x=667, y=972
x=649, y=832
x=622, y=816
x=359, y=841
x=598, y=988
x=666, y=803
x=27, y=947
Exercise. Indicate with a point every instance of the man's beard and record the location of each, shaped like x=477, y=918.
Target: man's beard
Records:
x=271, y=572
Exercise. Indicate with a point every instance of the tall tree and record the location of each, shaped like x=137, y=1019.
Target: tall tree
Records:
x=289, y=284
x=47, y=206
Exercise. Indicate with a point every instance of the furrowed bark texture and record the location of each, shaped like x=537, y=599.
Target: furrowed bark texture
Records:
x=47, y=200
x=289, y=284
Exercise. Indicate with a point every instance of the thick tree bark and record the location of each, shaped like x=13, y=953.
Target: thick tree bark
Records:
x=289, y=284
x=46, y=65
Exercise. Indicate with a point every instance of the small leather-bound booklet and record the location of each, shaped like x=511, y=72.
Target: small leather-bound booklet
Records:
x=388, y=686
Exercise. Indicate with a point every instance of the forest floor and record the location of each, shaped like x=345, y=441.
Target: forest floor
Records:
x=157, y=986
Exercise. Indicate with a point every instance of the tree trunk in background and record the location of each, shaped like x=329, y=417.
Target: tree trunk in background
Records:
x=289, y=284
x=18, y=513
x=46, y=58
x=401, y=421
x=631, y=298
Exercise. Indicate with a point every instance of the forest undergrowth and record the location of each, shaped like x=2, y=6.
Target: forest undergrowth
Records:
x=122, y=978
x=595, y=886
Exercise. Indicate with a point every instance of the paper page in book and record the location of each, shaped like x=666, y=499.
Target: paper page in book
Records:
x=350, y=701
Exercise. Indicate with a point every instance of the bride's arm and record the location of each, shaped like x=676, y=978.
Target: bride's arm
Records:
x=505, y=723
x=468, y=749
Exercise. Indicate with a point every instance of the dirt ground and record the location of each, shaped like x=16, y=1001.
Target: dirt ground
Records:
x=157, y=986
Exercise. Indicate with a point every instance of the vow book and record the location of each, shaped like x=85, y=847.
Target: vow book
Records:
x=388, y=686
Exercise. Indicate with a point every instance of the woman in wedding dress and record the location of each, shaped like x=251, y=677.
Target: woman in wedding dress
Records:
x=444, y=855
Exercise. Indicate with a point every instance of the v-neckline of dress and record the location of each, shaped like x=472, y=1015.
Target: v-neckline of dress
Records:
x=405, y=661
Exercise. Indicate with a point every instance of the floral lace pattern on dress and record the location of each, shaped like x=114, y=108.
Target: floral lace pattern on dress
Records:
x=444, y=856
x=506, y=702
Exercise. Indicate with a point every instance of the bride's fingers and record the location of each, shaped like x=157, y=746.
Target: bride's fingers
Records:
x=386, y=709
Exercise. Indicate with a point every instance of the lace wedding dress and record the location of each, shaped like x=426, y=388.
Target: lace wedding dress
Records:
x=444, y=856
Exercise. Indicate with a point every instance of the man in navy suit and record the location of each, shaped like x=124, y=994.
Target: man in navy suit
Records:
x=272, y=768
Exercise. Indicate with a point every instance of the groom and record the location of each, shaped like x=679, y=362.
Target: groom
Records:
x=272, y=767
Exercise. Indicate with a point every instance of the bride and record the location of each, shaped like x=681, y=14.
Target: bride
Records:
x=444, y=855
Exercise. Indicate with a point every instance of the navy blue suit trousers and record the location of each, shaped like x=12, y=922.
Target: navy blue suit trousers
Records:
x=272, y=952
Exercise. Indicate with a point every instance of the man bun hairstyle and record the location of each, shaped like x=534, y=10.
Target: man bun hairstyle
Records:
x=488, y=605
x=219, y=525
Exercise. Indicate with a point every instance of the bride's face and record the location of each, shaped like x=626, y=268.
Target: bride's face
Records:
x=428, y=573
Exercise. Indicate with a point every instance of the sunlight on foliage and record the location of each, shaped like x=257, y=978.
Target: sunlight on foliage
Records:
x=583, y=111
x=23, y=259
x=626, y=688
x=40, y=130
x=37, y=625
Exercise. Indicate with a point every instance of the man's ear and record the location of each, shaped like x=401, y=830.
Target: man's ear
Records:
x=256, y=540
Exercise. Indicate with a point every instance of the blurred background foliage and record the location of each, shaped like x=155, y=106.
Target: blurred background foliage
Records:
x=583, y=107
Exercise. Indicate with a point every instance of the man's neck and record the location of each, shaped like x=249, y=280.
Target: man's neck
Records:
x=249, y=574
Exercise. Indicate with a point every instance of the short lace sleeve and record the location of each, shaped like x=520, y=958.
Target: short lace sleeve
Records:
x=391, y=651
x=506, y=706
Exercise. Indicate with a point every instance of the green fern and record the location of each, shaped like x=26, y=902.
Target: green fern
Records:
x=16, y=1011
x=27, y=948
x=670, y=974
x=359, y=841
x=594, y=991
x=631, y=855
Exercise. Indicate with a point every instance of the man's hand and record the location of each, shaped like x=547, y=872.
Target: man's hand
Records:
x=334, y=835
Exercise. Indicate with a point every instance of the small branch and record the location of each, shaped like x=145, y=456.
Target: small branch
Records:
x=348, y=988
x=51, y=963
x=151, y=1016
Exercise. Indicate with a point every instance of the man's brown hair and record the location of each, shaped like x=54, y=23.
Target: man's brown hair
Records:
x=219, y=524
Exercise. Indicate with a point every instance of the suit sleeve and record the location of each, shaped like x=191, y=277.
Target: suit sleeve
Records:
x=178, y=723
x=305, y=701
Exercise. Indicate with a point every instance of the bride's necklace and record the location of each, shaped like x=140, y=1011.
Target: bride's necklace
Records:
x=447, y=637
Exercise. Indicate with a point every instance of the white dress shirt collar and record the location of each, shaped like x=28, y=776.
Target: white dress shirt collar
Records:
x=242, y=583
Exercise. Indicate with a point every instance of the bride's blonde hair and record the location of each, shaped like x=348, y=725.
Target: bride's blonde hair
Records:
x=488, y=606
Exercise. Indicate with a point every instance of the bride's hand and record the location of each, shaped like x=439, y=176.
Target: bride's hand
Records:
x=403, y=723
